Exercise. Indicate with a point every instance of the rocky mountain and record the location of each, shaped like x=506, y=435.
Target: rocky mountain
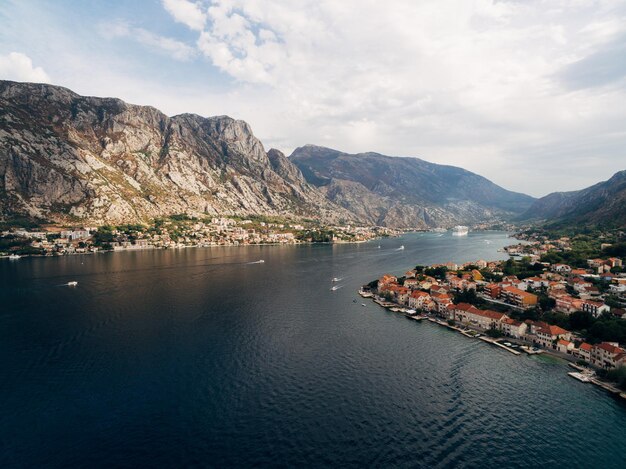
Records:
x=603, y=203
x=65, y=157
x=405, y=192
x=69, y=159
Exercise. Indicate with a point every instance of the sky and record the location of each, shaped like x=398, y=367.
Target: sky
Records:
x=528, y=93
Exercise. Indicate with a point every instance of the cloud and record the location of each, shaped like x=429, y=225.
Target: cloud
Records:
x=186, y=12
x=176, y=49
x=525, y=92
x=478, y=84
x=19, y=67
x=605, y=66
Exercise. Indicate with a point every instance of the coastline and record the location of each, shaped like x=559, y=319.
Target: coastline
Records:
x=467, y=332
x=165, y=248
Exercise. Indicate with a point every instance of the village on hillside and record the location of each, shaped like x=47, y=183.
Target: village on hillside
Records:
x=179, y=231
x=575, y=312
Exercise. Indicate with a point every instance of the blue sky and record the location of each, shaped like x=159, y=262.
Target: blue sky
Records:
x=531, y=94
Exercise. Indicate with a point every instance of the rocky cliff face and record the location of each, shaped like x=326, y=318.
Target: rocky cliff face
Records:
x=603, y=203
x=65, y=157
x=69, y=158
x=405, y=192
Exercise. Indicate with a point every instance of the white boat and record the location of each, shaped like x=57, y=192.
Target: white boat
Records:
x=460, y=230
x=580, y=377
x=363, y=304
x=401, y=248
x=335, y=279
x=336, y=287
x=14, y=256
x=72, y=283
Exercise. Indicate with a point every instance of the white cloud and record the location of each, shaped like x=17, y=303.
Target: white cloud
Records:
x=529, y=93
x=19, y=67
x=469, y=83
x=176, y=49
x=186, y=12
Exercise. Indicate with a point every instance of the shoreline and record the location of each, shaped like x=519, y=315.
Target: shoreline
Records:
x=419, y=317
x=165, y=248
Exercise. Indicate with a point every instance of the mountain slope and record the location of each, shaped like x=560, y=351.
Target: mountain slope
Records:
x=405, y=192
x=66, y=157
x=603, y=203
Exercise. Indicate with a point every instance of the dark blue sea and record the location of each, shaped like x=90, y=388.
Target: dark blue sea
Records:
x=201, y=358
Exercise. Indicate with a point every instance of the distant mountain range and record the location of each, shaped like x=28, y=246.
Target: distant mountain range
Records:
x=74, y=159
x=601, y=204
x=405, y=192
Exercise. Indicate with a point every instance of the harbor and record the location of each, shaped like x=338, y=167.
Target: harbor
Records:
x=584, y=374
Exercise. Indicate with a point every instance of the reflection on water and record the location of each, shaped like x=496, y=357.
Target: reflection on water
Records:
x=208, y=357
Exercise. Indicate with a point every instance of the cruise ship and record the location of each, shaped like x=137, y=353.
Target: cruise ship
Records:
x=460, y=230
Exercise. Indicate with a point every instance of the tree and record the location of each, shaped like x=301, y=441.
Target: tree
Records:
x=580, y=320
x=618, y=375
x=493, y=331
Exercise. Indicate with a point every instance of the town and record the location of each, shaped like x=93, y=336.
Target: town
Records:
x=179, y=231
x=525, y=304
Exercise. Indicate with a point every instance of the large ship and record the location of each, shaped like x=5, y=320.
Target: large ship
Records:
x=460, y=230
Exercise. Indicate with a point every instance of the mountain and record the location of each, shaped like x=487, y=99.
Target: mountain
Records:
x=65, y=157
x=69, y=158
x=603, y=203
x=405, y=192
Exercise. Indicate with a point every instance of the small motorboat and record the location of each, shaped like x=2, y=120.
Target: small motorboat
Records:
x=14, y=256
x=335, y=279
x=335, y=288
x=363, y=304
x=73, y=283
x=401, y=248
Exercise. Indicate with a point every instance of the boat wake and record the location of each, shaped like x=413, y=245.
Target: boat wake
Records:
x=260, y=261
x=401, y=248
x=336, y=287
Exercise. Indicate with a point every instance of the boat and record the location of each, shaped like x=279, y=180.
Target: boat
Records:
x=336, y=287
x=379, y=246
x=335, y=279
x=14, y=256
x=401, y=248
x=580, y=376
x=73, y=283
x=460, y=230
x=363, y=304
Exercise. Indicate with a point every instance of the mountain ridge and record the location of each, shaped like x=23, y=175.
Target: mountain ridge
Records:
x=601, y=203
x=64, y=157
x=70, y=158
x=405, y=190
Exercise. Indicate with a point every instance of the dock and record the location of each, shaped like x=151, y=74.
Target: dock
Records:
x=530, y=351
x=489, y=340
x=579, y=376
x=606, y=386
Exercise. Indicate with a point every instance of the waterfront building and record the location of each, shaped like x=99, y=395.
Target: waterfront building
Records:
x=513, y=328
x=472, y=316
x=608, y=355
x=547, y=335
